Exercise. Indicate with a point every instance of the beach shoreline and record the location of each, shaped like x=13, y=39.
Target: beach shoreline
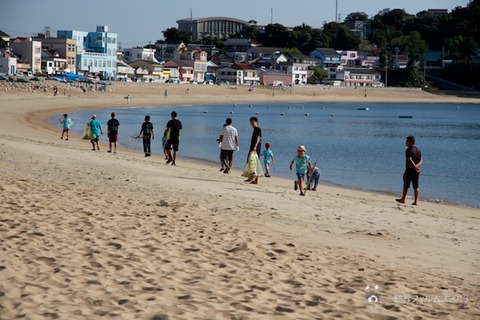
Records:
x=90, y=234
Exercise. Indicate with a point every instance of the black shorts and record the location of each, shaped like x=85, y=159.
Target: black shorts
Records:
x=172, y=144
x=410, y=177
x=226, y=155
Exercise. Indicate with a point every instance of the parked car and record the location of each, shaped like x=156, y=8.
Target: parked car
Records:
x=2, y=78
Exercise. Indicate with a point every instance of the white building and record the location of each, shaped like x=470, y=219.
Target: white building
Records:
x=139, y=53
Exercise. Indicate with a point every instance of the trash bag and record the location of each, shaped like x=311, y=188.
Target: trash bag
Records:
x=253, y=167
x=87, y=133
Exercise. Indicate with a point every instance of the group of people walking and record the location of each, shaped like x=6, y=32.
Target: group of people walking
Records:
x=94, y=130
x=229, y=142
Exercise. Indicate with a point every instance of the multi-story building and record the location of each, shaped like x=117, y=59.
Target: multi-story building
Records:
x=218, y=27
x=58, y=54
x=353, y=77
x=349, y=58
x=298, y=71
x=29, y=53
x=326, y=57
x=96, y=51
x=139, y=53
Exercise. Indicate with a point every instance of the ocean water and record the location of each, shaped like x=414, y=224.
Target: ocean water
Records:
x=362, y=149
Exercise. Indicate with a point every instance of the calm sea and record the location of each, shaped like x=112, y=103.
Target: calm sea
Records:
x=362, y=149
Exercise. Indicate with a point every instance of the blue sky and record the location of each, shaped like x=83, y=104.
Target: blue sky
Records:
x=138, y=22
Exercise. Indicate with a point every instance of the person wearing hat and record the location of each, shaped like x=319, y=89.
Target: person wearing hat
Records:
x=96, y=129
x=66, y=123
x=267, y=155
x=302, y=163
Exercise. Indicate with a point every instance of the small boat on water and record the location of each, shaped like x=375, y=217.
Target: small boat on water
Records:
x=405, y=117
x=366, y=109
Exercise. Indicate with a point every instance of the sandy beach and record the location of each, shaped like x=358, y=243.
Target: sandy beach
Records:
x=93, y=235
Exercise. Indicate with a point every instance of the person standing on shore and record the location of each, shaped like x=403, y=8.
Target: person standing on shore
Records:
x=112, y=132
x=146, y=131
x=255, y=144
x=96, y=130
x=228, y=139
x=302, y=163
x=66, y=123
x=174, y=131
x=412, y=170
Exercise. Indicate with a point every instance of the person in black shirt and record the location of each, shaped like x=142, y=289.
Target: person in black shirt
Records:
x=412, y=169
x=174, y=131
x=112, y=132
x=147, y=133
x=255, y=143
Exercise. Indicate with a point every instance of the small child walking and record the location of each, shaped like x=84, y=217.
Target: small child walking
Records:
x=302, y=163
x=66, y=123
x=268, y=158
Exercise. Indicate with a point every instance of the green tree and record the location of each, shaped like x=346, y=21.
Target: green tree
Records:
x=320, y=73
x=357, y=16
x=171, y=35
x=276, y=35
x=341, y=36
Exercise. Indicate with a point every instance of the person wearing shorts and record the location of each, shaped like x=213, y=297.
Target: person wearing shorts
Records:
x=96, y=129
x=66, y=123
x=412, y=170
x=174, y=131
x=228, y=142
x=112, y=132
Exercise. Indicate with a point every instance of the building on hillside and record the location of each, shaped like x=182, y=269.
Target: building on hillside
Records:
x=61, y=54
x=179, y=71
x=29, y=54
x=226, y=75
x=8, y=62
x=353, y=77
x=298, y=71
x=53, y=63
x=237, y=44
x=247, y=74
x=274, y=77
x=217, y=27
x=369, y=61
x=362, y=29
x=326, y=57
x=437, y=12
x=147, y=69
x=139, y=53
x=124, y=70
x=96, y=51
x=349, y=58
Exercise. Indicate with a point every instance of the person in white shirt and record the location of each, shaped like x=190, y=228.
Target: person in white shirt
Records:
x=228, y=142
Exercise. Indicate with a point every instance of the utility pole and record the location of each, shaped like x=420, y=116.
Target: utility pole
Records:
x=336, y=11
x=386, y=72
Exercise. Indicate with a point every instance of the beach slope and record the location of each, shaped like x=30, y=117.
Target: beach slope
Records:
x=93, y=235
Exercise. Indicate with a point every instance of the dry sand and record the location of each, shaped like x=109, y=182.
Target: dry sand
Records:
x=93, y=235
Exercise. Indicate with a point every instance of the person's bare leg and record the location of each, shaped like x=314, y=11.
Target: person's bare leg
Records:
x=415, y=192
x=404, y=195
